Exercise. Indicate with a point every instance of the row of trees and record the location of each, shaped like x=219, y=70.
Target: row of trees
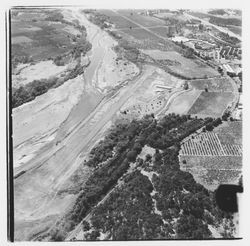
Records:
x=131, y=217
x=36, y=88
x=186, y=207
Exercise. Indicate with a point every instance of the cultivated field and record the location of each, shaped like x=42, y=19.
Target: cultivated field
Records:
x=183, y=102
x=214, y=84
x=212, y=178
x=187, y=67
x=211, y=103
x=161, y=31
x=211, y=161
x=117, y=20
x=208, y=144
x=230, y=132
x=141, y=34
x=143, y=20
x=32, y=35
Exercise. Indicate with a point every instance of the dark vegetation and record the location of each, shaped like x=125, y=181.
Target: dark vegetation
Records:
x=229, y=39
x=49, y=39
x=217, y=12
x=36, y=88
x=131, y=207
x=129, y=214
x=77, y=46
x=225, y=21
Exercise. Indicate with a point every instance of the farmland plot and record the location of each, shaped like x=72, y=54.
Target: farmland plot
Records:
x=212, y=178
x=162, y=31
x=230, y=132
x=210, y=161
x=213, y=84
x=141, y=34
x=183, y=102
x=33, y=35
x=211, y=103
x=190, y=68
x=208, y=144
x=117, y=20
x=146, y=21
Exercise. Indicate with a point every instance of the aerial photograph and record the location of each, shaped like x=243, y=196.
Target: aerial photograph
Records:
x=125, y=122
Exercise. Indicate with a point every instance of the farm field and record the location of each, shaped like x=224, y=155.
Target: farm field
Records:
x=211, y=103
x=214, y=84
x=235, y=29
x=35, y=36
x=210, y=161
x=183, y=102
x=147, y=21
x=212, y=178
x=161, y=31
x=208, y=144
x=187, y=67
x=230, y=132
x=141, y=34
x=117, y=20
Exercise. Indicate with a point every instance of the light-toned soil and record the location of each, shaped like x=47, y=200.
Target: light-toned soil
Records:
x=35, y=123
x=77, y=129
x=20, y=39
x=182, y=103
x=152, y=95
x=41, y=70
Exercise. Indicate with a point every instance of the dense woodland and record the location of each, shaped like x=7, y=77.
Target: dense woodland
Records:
x=186, y=207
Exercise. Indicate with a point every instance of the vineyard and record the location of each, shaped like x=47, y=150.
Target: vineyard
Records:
x=211, y=161
x=208, y=144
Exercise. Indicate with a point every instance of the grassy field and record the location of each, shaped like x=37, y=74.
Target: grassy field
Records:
x=213, y=162
x=141, y=34
x=182, y=103
x=34, y=36
x=214, y=84
x=230, y=132
x=190, y=68
x=146, y=21
x=211, y=103
x=235, y=29
x=117, y=20
x=212, y=171
x=162, y=31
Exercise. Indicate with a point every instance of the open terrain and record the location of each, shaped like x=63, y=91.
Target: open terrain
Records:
x=37, y=158
x=211, y=104
x=214, y=158
x=190, y=68
x=112, y=129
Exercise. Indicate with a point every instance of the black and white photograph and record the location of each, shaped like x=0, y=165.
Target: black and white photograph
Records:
x=124, y=124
